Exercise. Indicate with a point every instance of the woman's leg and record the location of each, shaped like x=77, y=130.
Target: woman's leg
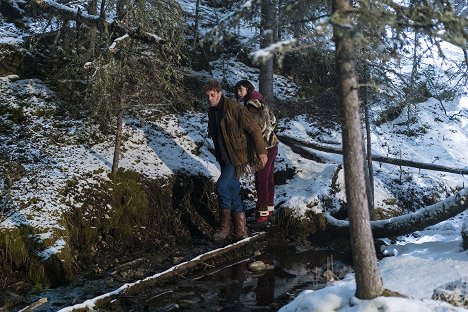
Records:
x=272, y=153
x=264, y=184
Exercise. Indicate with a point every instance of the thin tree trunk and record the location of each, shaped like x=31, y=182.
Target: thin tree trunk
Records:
x=92, y=10
x=370, y=170
x=266, y=68
x=122, y=8
x=121, y=94
x=410, y=98
x=92, y=7
x=102, y=24
x=195, y=26
x=368, y=282
x=118, y=140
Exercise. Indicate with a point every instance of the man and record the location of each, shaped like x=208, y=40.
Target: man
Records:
x=238, y=143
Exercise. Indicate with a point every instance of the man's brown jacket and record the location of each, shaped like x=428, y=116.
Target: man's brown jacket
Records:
x=242, y=136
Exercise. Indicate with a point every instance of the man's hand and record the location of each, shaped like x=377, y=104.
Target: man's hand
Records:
x=263, y=159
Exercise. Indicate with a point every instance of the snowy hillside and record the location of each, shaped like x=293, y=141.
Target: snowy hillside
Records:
x=54, y=155
x=48, y=160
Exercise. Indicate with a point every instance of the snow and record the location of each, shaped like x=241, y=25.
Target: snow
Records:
x=420, y=263
x=54, y=154
x=163, y=146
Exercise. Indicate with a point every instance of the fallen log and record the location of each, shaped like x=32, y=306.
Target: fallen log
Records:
x=302, y=147
x=407, y=223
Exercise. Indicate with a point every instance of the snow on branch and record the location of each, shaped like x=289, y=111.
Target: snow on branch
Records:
x=113, y=47
x=135, y=34
x=408, y=223
x=68, y=12
x=262, y=55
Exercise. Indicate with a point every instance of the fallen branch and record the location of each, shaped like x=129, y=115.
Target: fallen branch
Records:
x=34, y=305
x=201, y=260
x=302, y=146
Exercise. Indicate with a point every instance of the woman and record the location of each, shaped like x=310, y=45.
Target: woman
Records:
x=264, y=178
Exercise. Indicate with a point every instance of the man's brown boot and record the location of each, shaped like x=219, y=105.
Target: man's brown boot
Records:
x=224, y=225
x=240, y=228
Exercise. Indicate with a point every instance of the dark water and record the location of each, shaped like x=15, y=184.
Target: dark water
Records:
x=235, y=287
x=232, y=287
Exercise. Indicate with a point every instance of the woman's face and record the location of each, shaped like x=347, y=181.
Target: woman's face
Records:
x=241, y=91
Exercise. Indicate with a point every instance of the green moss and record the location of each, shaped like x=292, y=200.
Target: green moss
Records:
x=386, y=213
x=13, y=247
x=112, y=211
x=299, y=229
x=17, y=254
x=129, y=203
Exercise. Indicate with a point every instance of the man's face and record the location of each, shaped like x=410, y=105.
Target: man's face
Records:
x=213, y=97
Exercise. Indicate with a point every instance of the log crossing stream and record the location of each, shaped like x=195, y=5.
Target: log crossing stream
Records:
x=234, y=285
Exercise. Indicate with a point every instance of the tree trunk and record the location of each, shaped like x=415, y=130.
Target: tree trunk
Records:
x=368, y=282
x=118, y=140
x=266, y=68
x=370, y=170
x=405, y=224
x=368, y=165
x=195, y=25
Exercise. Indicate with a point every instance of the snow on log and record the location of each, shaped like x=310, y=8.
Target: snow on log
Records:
x=95, y=21
x=407, y=223
x=67, y=12
x=388, y=160
x=113, y=47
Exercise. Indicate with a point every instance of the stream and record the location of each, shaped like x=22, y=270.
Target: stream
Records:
x=232, y=287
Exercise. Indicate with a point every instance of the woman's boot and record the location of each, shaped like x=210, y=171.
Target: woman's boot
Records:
x=261, y=219
x=240, y=228
x=224, y=226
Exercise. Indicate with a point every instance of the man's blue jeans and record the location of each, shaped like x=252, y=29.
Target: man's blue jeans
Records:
x=228, y=189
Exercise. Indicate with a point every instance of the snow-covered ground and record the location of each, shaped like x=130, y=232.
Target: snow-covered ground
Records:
x=421, y=262
x=422, y=265
x=55, y=151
